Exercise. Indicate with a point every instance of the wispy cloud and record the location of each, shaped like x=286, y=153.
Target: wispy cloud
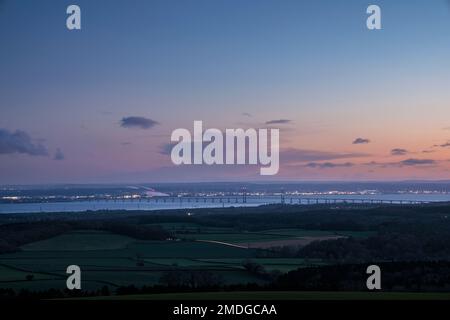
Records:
x=20, y=142
x=417, y=162
x=293, y=155
x=442, y=145
x=287, y=156
x=398, y=152
x=246, y=114
x=279, y=121
x=138, y=122
x=405, y=163
x=361, y=141
x=328, y=165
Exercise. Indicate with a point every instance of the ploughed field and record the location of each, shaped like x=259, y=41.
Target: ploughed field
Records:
x=115, y=260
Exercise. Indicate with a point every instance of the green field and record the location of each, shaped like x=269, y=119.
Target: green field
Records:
x=112, y=260
x=81, y=240
x=235, y=237
x=318, y=233
x=188, y=227
x=283, y=295
x=8, y=274
x=194, y=231
x=116, y=260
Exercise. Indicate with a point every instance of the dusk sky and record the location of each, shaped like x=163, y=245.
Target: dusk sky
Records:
x=355, y=104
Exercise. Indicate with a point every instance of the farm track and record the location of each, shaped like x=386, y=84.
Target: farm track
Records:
x=223, y=243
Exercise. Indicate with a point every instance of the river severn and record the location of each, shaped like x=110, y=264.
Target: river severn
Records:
x=213, y=202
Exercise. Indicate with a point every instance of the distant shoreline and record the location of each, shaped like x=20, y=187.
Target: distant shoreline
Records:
x=190, y=203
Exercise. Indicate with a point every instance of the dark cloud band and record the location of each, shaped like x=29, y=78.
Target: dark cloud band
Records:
x=20, y=142
x=138, y=122
x=361, y=141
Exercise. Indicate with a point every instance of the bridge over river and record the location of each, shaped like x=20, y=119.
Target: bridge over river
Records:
x=283, y=199
x=193, y=202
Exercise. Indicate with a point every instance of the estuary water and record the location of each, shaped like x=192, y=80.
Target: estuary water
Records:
x=210, y=202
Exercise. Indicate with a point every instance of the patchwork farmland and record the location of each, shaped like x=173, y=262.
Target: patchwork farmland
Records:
x=116, y=260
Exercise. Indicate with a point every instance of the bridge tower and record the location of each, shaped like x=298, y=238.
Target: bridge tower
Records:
x=244, y=195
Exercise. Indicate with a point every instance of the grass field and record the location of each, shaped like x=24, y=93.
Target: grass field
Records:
x=235, y=237
x=81, y=240
x=188, y=227
x=284, y=295
x=185, y=227
x=194, y=231
x=115, y=260
x=8, y=274
x=318, y=233
x=109, y=259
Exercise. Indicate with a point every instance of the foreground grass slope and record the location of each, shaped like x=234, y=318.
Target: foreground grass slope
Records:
x=116, y=260
x=283, y=295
